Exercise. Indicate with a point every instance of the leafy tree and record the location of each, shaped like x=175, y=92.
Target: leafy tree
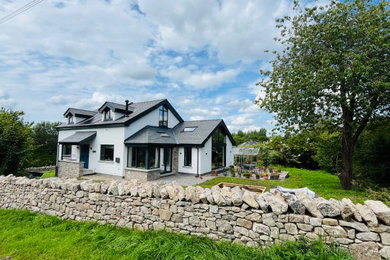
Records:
x=15, y=142
x=335, y=68
x=256, y=136
x=328, y=151
x=371, y=159
x=45, y=138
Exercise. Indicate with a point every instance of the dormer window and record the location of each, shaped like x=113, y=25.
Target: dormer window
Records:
x=107, y=115
x=70, y=119
x=163, y=112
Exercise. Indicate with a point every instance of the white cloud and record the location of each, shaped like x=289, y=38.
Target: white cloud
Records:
x=199, y=79
x=235, y=30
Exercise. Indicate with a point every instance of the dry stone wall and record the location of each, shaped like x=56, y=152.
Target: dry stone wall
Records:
x=219, y=213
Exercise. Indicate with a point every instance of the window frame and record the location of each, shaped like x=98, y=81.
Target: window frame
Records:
x=64, y=151
x=163, y=116
x=70, y=119
x=187, y=156
x=107, y=115
x=103, y=154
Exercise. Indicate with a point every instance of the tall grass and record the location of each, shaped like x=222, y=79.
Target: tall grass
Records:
x=25, y=235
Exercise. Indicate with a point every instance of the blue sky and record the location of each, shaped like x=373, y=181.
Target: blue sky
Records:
x=204, y=56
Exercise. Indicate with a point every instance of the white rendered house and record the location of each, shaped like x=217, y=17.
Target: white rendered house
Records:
x=143, y=140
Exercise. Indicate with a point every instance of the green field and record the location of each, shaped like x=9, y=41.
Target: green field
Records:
x=25, y=235
x=322, y=183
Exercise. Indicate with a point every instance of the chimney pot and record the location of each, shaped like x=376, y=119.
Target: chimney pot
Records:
x=127, y=108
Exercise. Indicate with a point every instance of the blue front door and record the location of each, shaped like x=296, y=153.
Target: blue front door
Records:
x=85, y=155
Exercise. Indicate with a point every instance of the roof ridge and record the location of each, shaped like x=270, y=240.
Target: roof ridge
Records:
x=204, y=120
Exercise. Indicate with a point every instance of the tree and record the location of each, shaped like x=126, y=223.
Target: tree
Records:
x=15, y=142
x=334, y=67
x=45, y=138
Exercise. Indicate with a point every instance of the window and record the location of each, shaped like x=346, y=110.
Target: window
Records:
x=187, y=156
x=163, y=114
x=218, y=149
x=189, y=129
x=106, y=152
x=66, y=150
x=145, y=158
x=70, y=119
x=107, y=115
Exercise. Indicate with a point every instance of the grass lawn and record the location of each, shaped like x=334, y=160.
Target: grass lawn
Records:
x=25, y=235
x=49, y=174
x=322, y=183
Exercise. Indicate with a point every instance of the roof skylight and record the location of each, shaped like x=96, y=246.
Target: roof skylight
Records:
x=189, y=129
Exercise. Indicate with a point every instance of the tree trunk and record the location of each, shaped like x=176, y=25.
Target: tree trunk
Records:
x=347, y=148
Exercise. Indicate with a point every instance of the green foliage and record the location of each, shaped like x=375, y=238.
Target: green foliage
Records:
x=333, y=69
x=45, y=138
x=372, y=154
x=328, y=151
x=26, y=235
x=15, y=142
x=255, y=136
x=322, y=183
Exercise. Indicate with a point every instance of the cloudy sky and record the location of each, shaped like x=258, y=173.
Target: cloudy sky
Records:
x=204, y=56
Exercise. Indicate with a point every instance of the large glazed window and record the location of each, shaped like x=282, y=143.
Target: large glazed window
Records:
x=106, y=152
x=218, y=149
x=163, y=116
x=143, y=157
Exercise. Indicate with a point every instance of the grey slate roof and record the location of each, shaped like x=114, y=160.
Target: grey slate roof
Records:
x=177, y=135
x=80, y=112
x=79, y=137
x=204, y=129
x=116, y=107
x=96, y=120
x=152, y=135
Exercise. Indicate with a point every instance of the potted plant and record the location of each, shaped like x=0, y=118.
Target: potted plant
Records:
x=231, y=170
x=215, y=173
x=265, y=176
x=257, y=175
x=239, y=174
x=224, y=173
x=247, y=175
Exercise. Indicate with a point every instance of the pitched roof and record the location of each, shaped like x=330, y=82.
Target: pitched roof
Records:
x=152, y=135
x=203, y=129
x=140, y=109
x=79, y=112
x=79, y=137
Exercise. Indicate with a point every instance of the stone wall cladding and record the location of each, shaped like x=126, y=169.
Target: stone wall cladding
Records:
x=142, y=175
x=68, y=169
x=233, y=214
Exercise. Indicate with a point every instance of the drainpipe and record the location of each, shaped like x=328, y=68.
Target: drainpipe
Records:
x=197, y=162
x=57, y=159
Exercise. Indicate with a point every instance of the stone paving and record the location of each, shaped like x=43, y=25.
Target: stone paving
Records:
x=181, y=178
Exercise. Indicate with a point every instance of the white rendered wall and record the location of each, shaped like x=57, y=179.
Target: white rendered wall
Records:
x=229, y=152
x=194, y=161
x=110, y=136
x=205, y=157
x=172, y=120
x=152, y=119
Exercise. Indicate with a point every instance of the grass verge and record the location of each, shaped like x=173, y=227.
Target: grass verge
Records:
x=25, y=235
x=49, y=174
x=322, y=183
